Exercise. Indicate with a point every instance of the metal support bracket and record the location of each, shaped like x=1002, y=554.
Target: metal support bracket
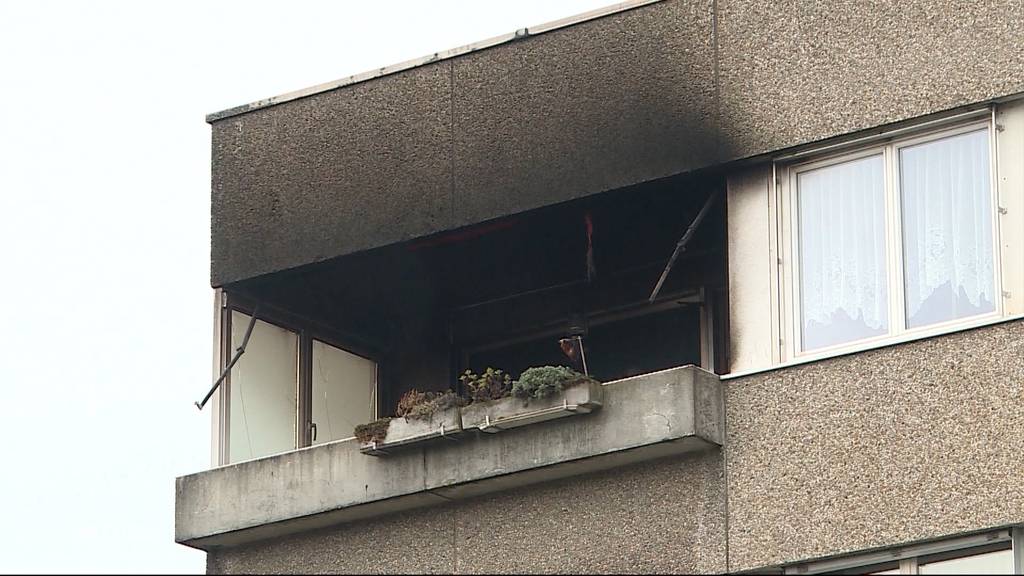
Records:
x=681, y=245
x=234, y=359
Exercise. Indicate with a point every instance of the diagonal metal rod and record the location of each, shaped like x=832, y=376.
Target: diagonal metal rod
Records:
x=681, y=245
x=238, y=354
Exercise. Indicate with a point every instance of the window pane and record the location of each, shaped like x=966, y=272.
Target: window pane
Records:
x=344, y=387
x=947, y=229
x=263, y=384
x=1000, y=562
x=843, y=288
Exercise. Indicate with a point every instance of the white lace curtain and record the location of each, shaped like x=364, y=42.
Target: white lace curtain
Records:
x=948, y=257
x=947, y=229
x=843, y=291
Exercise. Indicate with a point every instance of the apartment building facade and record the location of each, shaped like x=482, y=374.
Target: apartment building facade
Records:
x=788, y=236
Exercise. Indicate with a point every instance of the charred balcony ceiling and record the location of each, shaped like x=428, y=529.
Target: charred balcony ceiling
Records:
x=633, y=232
x=416, y=305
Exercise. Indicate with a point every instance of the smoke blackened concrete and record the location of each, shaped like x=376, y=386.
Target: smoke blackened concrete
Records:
x=635, y=96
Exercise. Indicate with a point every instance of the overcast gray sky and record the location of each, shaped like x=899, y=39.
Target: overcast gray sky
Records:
x=105, y=304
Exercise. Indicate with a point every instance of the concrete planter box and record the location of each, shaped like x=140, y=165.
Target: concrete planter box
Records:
x=497, y=415
x=405, y=431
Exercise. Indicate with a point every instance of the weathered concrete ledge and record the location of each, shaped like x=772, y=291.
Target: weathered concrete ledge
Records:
x=642, y=418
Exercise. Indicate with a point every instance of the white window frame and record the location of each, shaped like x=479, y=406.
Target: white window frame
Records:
x=790, y=321
x=224, y=403
x=306, y=331
x=908, y=557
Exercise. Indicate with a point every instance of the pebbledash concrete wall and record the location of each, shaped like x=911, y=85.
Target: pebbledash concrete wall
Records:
x=893, y=445
x=657, y=90
x=938, y=422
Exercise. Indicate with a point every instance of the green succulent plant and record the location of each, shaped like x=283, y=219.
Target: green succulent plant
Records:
x=490, y=385
x=544, y=381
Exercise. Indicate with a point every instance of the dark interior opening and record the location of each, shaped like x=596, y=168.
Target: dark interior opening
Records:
x=613, y=350
x=502, y=293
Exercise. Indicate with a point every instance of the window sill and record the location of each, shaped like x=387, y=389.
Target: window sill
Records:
x=876, y=344
x=642, y=418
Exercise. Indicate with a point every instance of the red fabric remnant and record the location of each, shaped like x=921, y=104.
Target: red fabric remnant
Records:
x=461, y=235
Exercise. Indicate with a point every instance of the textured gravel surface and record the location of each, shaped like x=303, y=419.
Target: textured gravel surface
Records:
x=897, y=444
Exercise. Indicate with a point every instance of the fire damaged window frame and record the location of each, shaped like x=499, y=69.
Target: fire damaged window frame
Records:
x=638, y=272
x=888, y=148
x=307, y=332
x=700, y=297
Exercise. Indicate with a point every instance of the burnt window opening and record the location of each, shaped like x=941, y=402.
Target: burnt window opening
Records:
x=588, y=267
x=614, y=348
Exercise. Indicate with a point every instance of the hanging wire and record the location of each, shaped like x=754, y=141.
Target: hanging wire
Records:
x=245, y=419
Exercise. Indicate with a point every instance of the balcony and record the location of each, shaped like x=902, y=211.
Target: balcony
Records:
x=645, y=417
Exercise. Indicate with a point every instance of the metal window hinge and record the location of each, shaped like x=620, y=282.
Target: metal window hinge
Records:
x=778, y=260
x=1006, y=294
x=1000, y=127
x=1003, y=210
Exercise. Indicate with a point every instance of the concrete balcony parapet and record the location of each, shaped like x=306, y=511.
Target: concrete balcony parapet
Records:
x=642, y=418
